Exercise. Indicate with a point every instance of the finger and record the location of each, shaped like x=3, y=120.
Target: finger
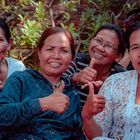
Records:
x=92, y=62
x=91, y=88
x=62, y=86
x=97, y=84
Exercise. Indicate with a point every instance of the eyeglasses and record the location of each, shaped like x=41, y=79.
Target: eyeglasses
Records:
x=101, y=42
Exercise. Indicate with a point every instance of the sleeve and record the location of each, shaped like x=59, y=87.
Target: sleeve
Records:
x=16, y=111
x=21, y=66
x=105, y=118
x=71, y=70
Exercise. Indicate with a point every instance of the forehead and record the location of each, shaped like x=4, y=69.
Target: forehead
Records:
x=108, y=35
x=135, y=37
x=58, y=38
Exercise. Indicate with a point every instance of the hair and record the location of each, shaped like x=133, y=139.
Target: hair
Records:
x=132, y=17
x=119, y=32
x=129, y=31
x=5, y=28
x=54, y=30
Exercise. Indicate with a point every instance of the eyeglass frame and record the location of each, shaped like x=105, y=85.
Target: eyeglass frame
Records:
x=101, y=42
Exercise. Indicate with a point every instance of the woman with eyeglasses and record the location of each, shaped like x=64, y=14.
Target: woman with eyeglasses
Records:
x=105, y=50
x=120, y=119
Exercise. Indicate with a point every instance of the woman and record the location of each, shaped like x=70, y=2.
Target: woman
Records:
x=105, y=50
x=8, y=65
x=41, y=105
x=120, y=118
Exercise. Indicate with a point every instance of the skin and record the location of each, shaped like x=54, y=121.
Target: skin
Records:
x=91, y=128
x=134, y=53
x=4, y=46
x=55, y=57
x=101, y=58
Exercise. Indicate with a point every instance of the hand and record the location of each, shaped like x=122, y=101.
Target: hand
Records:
x=57, y=101
x=94, y=103
x=86, y=75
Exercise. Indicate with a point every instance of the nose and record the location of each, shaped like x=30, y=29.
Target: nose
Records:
x=101, y=47
x=56, y=54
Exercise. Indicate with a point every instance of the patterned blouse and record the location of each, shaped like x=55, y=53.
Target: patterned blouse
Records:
x=121, y=117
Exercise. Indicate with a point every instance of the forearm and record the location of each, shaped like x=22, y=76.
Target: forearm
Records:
x=13, y=115
x=91, y=128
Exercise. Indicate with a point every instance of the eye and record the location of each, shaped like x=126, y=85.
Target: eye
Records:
x=1, y=39
x=109, y=46
x=98, y=40
x=134, y=47
x=64, y=51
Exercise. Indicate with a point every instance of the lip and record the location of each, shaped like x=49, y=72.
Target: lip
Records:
x=55, y=64
x=98, y=55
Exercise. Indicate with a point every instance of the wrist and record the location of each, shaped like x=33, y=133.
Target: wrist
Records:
x=86, y=114
x=75, y=79
x=43, y=104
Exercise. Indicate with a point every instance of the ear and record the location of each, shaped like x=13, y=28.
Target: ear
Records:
x=10, y=43
x=118, y=58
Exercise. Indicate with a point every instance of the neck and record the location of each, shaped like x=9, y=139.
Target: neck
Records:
x=2, y=64
x=102, y=72
x=52, y=79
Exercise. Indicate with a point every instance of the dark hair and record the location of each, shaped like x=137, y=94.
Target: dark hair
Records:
x=5, y=28
x=132, y=17
x=129, y=31
x=54, y=30
x=119, y=32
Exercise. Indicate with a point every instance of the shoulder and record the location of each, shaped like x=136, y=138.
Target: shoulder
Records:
x=83, y=57
x=25, y=74
x=12, y=62
x=121, y=77
x=117, y=68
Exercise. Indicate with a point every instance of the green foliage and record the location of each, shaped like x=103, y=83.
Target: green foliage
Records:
x=28, y=18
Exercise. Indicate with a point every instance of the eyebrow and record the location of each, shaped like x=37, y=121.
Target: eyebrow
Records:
x=105, y=41
x=134, y=44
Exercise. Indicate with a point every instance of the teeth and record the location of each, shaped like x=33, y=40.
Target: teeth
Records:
x=55, y=64
x=98, y=56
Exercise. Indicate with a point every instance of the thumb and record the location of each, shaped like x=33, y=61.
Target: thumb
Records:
x=92, y=62
x=62, y=86
x=91, y=88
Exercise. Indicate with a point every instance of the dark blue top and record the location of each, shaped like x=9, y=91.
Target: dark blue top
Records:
x=21, y=116
x=81, y=61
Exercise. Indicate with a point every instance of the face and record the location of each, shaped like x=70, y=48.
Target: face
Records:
x=3, y=45
x=55, y=55
x=104, y=47
x=135, y=49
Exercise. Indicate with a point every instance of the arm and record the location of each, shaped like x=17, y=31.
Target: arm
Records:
x=93, y=105
x=97, y=119
x=90, y=125
x=15, y=111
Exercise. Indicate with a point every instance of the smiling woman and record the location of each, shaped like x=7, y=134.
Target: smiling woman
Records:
x=105, y=49
x=8, y=65
x=37, y=109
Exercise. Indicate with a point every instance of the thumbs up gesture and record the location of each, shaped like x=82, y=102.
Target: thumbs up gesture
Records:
x=94, y=103
x=57, y=101
x=86, y=75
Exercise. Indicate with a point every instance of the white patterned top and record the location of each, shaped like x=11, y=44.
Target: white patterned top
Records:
x=121, y=117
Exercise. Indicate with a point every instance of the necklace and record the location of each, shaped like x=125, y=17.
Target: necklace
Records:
x=56, y=85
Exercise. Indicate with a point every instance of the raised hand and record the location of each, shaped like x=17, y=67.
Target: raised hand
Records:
x=57, y=101
x=94, y=103
x=86, y=75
